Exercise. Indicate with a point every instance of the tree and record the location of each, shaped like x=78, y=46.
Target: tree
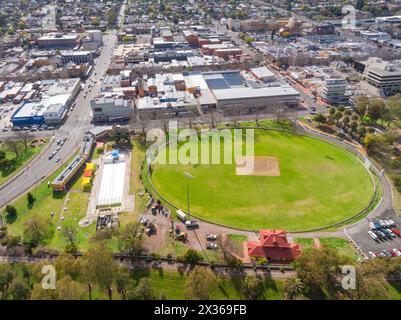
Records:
x=337, y=116
x=6, y=277
x=19, y=289
x=252, y=287
x=374, y=142
x=122, y=283
x=11, y=213
x=129, y=241
x=320, y=118
x=70, y=233
x=143, y=291
x=319, y=270
x=361, y=104
x=98, y=267
x=200, y=283
x=375, y=109
x=13, y=144
x=31, y=199
x=192, y=257
x=68, y=289
x=38, y=293
x=293, y=288
x=36, y=230
x=24, y=137
x=67, y=265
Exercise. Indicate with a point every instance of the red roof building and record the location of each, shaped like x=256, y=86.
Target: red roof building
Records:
x=273, y=245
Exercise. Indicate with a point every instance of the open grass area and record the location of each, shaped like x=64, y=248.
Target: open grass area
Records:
x=341, y=245
x=173, y=285
x=18, y=161
x=319, y=184
x=305, y=243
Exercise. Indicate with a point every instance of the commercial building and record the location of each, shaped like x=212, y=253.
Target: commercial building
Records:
x=234, y=94
x=333, y=90
x=108, y=106
x=383, y=75
x=77, y=57
x=58, y=41
x=57, y=97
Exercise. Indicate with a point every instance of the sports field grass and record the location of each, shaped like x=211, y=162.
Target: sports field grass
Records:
x=319, y=184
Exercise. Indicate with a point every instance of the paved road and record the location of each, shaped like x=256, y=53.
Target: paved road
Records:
x=77, y=123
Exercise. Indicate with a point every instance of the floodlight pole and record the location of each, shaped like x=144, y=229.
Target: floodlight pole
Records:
x=188, y=177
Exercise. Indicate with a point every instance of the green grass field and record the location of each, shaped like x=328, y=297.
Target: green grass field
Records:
x=319, y=184
x=18, y=162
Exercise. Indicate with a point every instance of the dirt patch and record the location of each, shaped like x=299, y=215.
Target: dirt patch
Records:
x=37, y=143
x=257, y=166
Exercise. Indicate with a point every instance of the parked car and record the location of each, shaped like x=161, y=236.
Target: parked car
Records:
x=392, y=223
x=382, y=223
x=396, y=231
x=380, y=234
x=372, y=254
x=377, y=225
x=397, y=252
x=391, y=234
x=211, y=237
x=372, y=226
x=388, y=254
x=373, y=235
x=393, y=254
x=58, y=159
x=211, y=246
x=191, y=224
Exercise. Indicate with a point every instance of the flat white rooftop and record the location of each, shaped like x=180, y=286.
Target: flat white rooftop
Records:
x=112, y=184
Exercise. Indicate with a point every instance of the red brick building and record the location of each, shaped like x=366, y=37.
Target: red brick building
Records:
x=273, y=245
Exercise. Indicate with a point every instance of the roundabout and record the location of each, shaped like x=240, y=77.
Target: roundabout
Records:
x=310, y=184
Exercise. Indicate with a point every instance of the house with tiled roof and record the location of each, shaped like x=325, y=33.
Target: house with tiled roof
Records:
x=274, y=246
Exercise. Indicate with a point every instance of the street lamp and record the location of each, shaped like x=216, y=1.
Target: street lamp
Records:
x=188, y=177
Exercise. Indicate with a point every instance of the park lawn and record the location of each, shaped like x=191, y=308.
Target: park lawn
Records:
x=172, y=283
x=319, y=184
x=341, y=245
x=393, y=291
x=20, y=161
x=46, y=202
x=306, y=243
x=136, y=186
x=76, y=210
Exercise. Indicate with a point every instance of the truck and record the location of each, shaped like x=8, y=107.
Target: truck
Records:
x=181, y=215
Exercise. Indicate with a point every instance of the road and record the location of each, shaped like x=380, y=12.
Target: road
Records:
x=74, y=128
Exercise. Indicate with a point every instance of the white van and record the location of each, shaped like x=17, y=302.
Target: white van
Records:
x=181, y=215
